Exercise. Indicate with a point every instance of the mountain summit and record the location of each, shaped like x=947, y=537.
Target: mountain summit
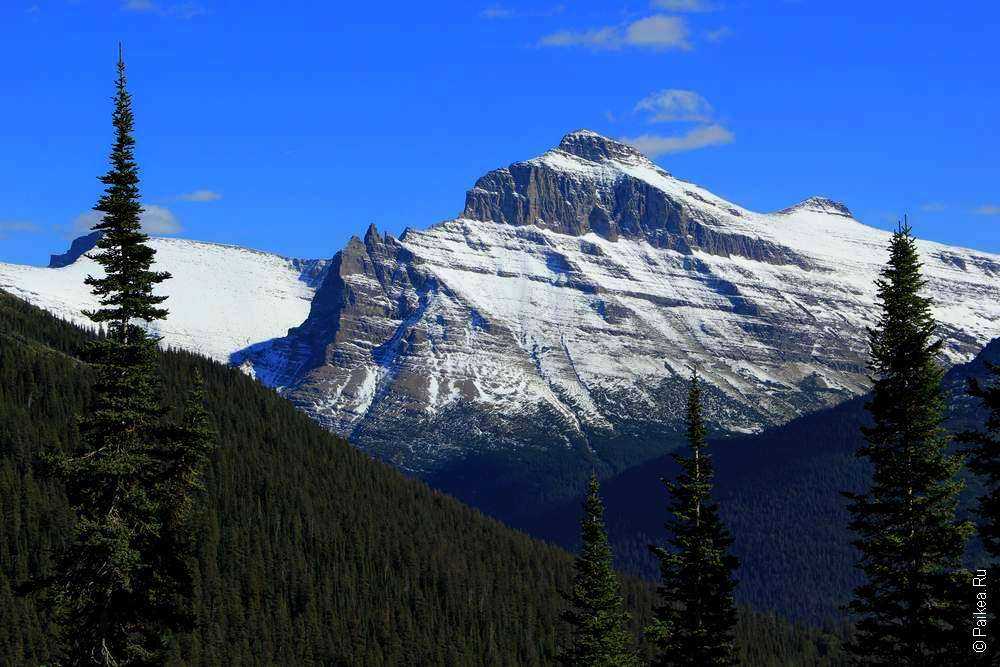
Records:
x=549, y=328
x=593, y=146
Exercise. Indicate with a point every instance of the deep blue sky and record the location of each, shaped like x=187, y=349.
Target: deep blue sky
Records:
x=311, y=119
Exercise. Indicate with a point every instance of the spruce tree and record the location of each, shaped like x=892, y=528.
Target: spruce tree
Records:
x=695, y=617
x=104, y=581
x=983, y=450
x=913, y=607
x=596, y=614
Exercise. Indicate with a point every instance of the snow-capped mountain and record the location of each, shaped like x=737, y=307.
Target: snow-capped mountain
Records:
x=577, y=289
x=553, y=324
x=221, y=298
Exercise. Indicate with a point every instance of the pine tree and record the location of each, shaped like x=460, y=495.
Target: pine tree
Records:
x=912, y=608
x=596, y=613
x=104, y=581
x=983, y=450
x=695, y=617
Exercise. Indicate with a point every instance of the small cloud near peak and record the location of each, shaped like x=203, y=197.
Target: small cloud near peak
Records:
x=674, y=104
x=200, y=196
x=654, y=145
x=654, y=33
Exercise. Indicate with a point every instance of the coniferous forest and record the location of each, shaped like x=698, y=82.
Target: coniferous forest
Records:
x=157, y=507
x=309, y=550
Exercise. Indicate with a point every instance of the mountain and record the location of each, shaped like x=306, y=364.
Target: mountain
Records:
x=222, y=298
x=548, y=329
x=780, y=495
x=311, y=553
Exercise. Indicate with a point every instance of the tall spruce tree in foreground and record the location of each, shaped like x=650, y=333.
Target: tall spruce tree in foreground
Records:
x=983, y=450
x=695, y=616
x=913, y=607
x=106, y=584
x=596, y=614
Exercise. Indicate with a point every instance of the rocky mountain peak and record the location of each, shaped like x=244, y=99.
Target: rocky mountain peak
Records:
x=820, y=205
x=593, y=146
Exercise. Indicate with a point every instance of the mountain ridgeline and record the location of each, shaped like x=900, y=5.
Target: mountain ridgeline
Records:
x=547, y=330
x=310, y=552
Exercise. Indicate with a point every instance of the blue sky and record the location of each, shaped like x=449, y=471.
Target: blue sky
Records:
x=288, y=126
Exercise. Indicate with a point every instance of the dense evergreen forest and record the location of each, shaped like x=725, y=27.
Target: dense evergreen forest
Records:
x=789, y=476
x=310, y=551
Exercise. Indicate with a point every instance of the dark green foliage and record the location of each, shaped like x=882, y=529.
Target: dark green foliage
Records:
x=695, y=617
x=983, y=449
x=596, y=614
x=126, y=291
x=789, y=476
x=185, y=451
x=105, y=587
x=309, y=550
x=913, y=606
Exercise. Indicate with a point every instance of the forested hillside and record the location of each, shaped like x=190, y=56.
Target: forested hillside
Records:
x=780, y=494
x=311, y=552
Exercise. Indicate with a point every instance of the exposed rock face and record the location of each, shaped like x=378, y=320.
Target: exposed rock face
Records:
x=556, y=320
x=550, y=329
x=538, y=192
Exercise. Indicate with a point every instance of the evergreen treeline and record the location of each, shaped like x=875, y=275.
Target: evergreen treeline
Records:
x=309, y=550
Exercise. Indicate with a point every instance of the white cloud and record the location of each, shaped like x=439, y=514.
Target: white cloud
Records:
x=988, y=209
x=200, y=196
x=598, y=38
x=673, y=105
x=656, y=33
x=8, y=227
x=693, y=6
x=155, y=220
x=698, y=137
x=933, y=207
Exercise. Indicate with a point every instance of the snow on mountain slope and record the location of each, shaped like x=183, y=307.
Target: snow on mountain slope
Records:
x=222, y=298
x=576, y=291
x=550, y=328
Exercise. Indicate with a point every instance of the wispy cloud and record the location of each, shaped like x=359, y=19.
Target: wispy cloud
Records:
x=654, y=145
x=200, y=196
x=693, y=6
x=720, y=34
x=933, y=207
x=8, y=227
x=655, y=33
x=155, y=220
x=182, y=10
x=499, y=11
x=673, y=104
x=988, y=209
